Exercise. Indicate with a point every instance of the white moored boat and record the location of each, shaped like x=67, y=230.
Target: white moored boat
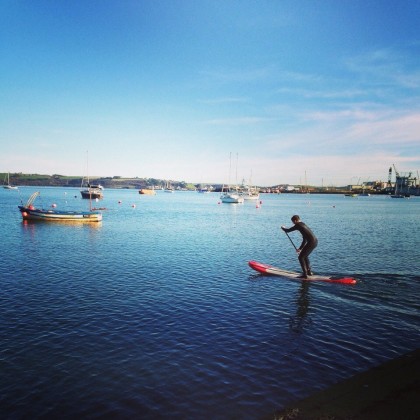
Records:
x=7, y=185
x=231, y=197
x=250, y=194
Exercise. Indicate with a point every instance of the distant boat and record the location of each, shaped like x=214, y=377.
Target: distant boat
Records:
x=203, y=189
x=147, y=191
x=305, y=190
x=364, y=193
x=248, y=192
x=231, y=195
x=29, y=212
x=397, y=194
x=169, y=188
x=351, y=195
x=7, y=185
x=91, y=191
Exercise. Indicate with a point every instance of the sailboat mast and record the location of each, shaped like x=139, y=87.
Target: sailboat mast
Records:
x=230, y=167
x=236, y=175
x=88, y=182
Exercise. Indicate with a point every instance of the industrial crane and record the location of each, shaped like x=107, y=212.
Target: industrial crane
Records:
x=396, y=172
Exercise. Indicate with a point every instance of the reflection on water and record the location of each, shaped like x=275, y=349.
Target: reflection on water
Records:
x=33, y=223
x=300, y=320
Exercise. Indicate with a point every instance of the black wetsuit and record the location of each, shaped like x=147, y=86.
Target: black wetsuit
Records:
x=309, y=243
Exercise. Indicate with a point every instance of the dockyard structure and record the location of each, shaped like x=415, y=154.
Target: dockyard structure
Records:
x=405, y=183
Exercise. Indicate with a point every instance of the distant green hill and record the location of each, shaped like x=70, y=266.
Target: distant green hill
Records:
x=76, y=181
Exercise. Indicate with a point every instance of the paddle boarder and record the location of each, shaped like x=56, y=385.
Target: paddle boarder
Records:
x=309, y=243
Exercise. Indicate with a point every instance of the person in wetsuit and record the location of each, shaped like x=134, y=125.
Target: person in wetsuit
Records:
x=309, y=243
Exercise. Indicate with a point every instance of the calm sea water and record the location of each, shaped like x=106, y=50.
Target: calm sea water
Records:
x=154, y=313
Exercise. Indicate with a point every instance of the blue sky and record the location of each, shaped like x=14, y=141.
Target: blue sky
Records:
x=169, y=88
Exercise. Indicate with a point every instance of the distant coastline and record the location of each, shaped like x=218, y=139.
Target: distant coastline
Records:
x=118, y=182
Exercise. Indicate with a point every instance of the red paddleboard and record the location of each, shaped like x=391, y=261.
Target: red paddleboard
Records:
x=269, y=269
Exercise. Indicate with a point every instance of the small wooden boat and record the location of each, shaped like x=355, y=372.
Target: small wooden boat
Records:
x=147, y=191
x=29, y=212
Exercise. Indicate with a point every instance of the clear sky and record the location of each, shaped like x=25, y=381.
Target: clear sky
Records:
x=169, y=88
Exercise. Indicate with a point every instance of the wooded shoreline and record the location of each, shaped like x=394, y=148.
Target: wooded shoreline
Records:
x=21, y=179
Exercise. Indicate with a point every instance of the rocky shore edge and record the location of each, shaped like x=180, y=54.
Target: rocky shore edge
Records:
x=389, y=391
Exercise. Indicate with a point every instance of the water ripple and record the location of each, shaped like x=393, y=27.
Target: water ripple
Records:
x=156, y=313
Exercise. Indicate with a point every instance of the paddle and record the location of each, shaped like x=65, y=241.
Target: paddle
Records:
x=294, y=246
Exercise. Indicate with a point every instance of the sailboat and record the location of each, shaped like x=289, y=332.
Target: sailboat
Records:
x=169, y=188
x=231, y=195
x=305, y=190
x=363, y=193
x=7, y=185
x=203, y=189
x=91, y=191
x=398, y=194
x=248, y=192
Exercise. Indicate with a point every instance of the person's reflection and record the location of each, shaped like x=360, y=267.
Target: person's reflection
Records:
x=300, y=320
